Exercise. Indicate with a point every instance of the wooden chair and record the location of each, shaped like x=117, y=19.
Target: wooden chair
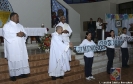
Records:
x=33, y=38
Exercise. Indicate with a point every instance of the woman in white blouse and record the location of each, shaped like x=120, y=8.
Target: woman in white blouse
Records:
x=99, y=28
x=110, y=52
x=88, y=56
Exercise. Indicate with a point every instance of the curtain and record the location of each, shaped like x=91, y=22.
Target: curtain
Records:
x=126, y=19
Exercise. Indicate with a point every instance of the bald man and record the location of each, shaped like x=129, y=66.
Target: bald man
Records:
x=58, y=61
x=67, y=31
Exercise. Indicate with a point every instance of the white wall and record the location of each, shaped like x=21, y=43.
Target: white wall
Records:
x=35, y=12
x=95, y=10
x=113, y=8
x=119, y=1
x=91, y=10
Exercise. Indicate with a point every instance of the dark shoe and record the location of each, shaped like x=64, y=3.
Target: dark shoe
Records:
x=13, y=78
x=61, y=77
x=53, y=78
x=23, y=75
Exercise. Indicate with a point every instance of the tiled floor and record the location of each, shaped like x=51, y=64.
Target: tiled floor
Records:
x=126, y=76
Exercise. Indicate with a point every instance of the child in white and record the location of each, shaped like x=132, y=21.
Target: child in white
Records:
x=88, y=56
x=124, y=49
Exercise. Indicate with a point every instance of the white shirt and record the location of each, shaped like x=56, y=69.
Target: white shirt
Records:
x=98, y=25
x=110, y=38
x=124, y=45
x=85, y=42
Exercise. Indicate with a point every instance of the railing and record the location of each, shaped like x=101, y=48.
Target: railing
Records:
x=81, y=1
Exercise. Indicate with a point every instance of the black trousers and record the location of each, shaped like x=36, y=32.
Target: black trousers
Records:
x=88, y=66
x=99, y=34
x=125, y=56
x=110, y=54
x=93, y=36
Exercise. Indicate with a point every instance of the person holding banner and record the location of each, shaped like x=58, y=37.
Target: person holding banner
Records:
x=110, y=51
x=124, y=49
x=88, y=56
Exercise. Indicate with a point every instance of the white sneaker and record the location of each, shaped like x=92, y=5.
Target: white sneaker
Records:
x=88, y=78
x=91, y=77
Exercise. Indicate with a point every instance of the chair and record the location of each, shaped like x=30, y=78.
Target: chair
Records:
x=32, y=38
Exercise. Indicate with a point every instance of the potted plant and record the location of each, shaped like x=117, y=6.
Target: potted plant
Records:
x=45, y=42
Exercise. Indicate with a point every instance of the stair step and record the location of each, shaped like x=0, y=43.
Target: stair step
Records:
x=103, y=62
x=96, y=58
x=102, y=68
x=3, y=61
x=42, y=57
x=4, y=67
x=38, y=69
x=45, y=63
x=100, y=62
x=36, y=57
x=67, y=79
x=41, y=76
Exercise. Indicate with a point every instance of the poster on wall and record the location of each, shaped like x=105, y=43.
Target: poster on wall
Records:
x=118, y=23
x=57, y=10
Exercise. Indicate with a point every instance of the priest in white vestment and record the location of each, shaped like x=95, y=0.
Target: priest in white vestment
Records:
x=58, y=60
x=15, y=48
x=67, y=31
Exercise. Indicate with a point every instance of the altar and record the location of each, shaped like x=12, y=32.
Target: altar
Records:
x=31, y=32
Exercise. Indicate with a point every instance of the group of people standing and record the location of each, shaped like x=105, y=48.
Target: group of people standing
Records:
x=16, y=52
x=111, y=50
x=60, y=53
x=95, y=28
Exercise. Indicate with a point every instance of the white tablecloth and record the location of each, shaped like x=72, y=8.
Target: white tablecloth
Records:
x=33, y=31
